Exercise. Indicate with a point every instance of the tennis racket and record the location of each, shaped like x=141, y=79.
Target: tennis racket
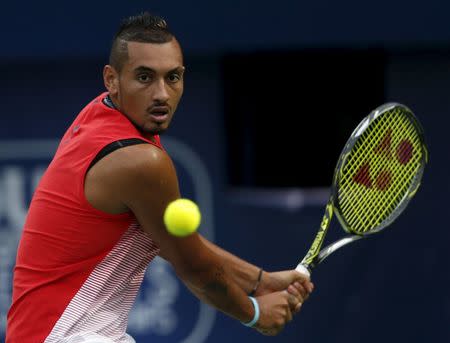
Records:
x=377, y=174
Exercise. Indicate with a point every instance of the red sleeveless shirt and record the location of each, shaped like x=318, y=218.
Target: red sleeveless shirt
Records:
x=78, y=269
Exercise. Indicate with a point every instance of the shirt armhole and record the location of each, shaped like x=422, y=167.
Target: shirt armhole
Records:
x=114, y=146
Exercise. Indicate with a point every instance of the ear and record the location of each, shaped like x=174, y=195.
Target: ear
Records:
x=111, y=80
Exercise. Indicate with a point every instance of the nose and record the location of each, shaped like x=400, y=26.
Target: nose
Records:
x=160, y=91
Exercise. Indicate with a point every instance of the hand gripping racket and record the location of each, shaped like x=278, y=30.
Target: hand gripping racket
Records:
x=377, y=174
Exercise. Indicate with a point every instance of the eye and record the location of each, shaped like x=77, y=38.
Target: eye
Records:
x=174, y=77
x=144, y=78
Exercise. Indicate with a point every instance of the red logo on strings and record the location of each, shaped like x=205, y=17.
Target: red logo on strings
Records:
x=383, y=180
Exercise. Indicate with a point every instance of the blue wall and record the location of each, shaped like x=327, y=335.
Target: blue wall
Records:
x=85, y=28
x=391, y=288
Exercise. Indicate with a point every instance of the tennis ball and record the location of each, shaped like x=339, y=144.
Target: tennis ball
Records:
x=182, y=217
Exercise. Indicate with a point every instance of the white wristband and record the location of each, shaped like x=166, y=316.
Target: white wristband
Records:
x=256, y=316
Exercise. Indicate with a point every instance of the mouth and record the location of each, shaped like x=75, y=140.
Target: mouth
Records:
x=159, y=114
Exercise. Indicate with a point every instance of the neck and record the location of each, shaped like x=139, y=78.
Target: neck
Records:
x=108, y=100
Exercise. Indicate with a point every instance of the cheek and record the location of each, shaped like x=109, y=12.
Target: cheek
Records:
x=176, y=95
x=133, y=94
x=131, y=88
x=138, y=104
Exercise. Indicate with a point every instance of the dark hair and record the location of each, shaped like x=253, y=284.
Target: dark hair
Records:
x=144, y=28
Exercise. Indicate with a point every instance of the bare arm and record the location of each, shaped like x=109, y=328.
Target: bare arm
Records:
x=244, y=273
x=142, y=178
x=148, y=186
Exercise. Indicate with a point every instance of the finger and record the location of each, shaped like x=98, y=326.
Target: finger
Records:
x=298, y=308
x=302, y=290
x=293, y=290
x=289, y=315
x=308, y=286
x=267, y=332
x=293, y=301
x=294, y=275
x=277, y=330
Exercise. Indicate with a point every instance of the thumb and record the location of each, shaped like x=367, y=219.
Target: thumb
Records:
x=294, y=275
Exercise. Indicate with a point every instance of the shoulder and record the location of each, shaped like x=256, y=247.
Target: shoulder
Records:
x=129, y=169
x=139, y=162
x=146, y=163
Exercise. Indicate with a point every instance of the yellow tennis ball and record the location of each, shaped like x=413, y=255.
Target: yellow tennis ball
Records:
x=182, y=217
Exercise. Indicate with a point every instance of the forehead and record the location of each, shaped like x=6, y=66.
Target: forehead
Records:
x=155, y=56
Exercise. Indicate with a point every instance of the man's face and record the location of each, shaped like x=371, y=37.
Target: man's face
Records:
x=150, y=84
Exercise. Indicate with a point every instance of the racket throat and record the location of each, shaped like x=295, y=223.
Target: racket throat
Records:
x=328, y=250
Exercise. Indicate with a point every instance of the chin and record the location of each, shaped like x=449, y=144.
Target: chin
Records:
x=156, y=129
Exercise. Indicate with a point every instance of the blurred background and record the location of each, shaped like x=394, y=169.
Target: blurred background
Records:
x=272, y=91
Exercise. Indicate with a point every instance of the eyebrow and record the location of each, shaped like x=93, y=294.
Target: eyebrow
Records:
x=142, y=69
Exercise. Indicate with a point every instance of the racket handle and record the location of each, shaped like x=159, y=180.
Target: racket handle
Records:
x=303, y=270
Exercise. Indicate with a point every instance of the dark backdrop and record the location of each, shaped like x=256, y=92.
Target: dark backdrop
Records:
x=391, y=288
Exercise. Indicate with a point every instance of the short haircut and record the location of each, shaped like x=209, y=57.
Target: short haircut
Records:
x=143, y=28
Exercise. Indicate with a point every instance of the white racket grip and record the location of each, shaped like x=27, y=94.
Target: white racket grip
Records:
x=303, y=270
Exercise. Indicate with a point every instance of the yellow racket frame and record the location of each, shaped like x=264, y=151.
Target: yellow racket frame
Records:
x=388, y=147
x=377, y=174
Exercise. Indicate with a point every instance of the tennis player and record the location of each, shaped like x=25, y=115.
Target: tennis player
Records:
x=96, y=219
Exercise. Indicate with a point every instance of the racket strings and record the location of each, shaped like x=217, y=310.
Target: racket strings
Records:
x=351, y=206
x=383, y=180
x=386, y=170
x=399, y=188
x=366, y=142
x=405, y=172
x=379, y=170
x=385, y=175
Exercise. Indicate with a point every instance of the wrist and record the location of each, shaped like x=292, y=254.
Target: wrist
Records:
x=256, y=315
x=257, y=283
